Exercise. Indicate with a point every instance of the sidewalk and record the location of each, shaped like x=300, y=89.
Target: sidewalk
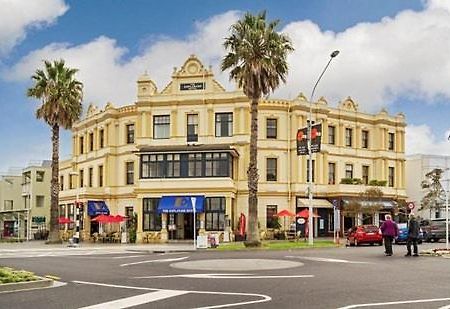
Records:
x=35, y=245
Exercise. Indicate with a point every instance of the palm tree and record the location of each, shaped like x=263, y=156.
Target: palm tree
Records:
x=61, y=95
x=257, y=59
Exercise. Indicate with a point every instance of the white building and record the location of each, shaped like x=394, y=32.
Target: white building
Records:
x=417, y=166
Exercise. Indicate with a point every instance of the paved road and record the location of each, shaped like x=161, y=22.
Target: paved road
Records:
x=308, y=278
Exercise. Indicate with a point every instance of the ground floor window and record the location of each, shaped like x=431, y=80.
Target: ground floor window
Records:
x=271, y=219
x=215, y=213
x=151, y=218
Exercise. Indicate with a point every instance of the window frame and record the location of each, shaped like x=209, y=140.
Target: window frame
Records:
x=216, y=215
x=129, y=173
x=391, y=176
x=365, y=177
x=150, y=215
x=271, y=219
x=349, y=169
x=161, y=124
x=91, y=141
x=271, y=128
x=192, y=126
x=391, y=141
x=331, y=135
x=348, y=137
x=221, y=124
x=365, y=139
x=130, y=133
x=100, y=176
x=331, y=173
x=271, y=169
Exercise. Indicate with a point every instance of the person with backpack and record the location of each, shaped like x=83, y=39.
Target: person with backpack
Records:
x=389, y=230
x=413, y=235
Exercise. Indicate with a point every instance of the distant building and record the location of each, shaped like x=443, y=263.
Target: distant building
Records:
x=25, y=201
x=189, y=142
x=417, y=166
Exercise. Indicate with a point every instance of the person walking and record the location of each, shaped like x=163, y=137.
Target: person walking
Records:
x=413, y=235
x=389, y=230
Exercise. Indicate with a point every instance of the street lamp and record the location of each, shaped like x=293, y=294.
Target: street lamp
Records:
x=310, y=195
x=446, y=211
x=76, y=235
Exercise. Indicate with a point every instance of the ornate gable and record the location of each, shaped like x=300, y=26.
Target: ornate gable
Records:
x=192, y=77
x=348, y=104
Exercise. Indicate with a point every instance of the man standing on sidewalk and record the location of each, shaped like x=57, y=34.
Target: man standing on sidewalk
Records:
x=413, y=235
x=389, y=230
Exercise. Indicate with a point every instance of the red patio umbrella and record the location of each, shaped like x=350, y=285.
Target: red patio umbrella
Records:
x=285, y=213
x=119, y=218
x=103, y=219
x=305, y=214
x=63, y=220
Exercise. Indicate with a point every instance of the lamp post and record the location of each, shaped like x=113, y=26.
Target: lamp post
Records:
x=446, y=210
x=193, y=200
x=76, y=235
x=310, y=195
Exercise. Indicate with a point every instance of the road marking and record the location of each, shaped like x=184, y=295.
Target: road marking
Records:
x=127, y=256
x=445, y=307
x=320, y=259
x=137, y=300
x=224, y=276
x=262, y=298
x=156, y=261
x=397, y=303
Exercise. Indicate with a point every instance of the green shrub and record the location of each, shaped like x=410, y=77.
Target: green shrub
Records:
x=9, y=275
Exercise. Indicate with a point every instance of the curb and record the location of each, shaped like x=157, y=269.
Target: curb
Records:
x=27, y=285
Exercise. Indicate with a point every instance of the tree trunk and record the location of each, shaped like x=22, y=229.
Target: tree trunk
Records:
x=53, y=236
x=252, y=174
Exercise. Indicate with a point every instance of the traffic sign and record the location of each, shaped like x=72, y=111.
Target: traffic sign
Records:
x=411, y=205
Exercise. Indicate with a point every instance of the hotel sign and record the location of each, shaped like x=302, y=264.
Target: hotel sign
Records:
x=192, y=86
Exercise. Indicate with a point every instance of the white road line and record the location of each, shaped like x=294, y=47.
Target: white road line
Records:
x=224, y=276
x=445, y=307
x=320, y=259
x=397, y=303
x=127, y=256
x=137, y=300
x=262, y=298
x=156, y=261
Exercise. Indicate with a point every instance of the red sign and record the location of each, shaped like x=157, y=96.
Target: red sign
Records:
x=411, y=205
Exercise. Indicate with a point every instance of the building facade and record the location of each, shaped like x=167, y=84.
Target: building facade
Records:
x=191, y=140
x=417, y=166
x=25, y=202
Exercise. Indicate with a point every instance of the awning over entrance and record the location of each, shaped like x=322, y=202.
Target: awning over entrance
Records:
x=181, y=204
x=383, y=204
x=97, y=208
x=317, y=203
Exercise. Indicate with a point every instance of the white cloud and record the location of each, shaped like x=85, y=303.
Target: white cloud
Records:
x=421, y=140
x=16, y=16
x=406, y=55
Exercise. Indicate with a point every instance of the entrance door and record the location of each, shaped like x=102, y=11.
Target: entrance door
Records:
x=188, y=226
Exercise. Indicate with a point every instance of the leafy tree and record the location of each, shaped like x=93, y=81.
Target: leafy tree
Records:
x=373, y=196
x=257, y=59
x=434, y=197
x=61, y=95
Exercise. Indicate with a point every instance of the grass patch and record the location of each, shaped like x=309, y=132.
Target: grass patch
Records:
x=277, y=245
x=9, y=275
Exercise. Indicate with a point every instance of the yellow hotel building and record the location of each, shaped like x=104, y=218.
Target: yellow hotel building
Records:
x=191, y=140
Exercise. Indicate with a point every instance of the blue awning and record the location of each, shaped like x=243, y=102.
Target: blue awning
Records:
x=97, y=208
x=181, y=204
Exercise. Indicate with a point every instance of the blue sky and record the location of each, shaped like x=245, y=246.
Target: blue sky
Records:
x=394, y=55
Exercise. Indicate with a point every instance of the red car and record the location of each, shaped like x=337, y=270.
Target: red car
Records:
x=364, y=234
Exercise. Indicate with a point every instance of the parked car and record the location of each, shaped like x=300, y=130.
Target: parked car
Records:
x=433, y=230
x=364, y=234
x=403, y=234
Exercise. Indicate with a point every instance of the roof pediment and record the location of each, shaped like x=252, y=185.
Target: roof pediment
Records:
x=348, y=104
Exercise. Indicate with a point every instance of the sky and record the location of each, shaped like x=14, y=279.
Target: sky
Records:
x=394, y=54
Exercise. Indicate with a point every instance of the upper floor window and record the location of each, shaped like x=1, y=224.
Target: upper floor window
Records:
x=161, y=126
x=102, y=138
x=40, y=200
x=195, y=164
x=348, y=170
x=331, y=173
x=192, y=127
x=365, y=139
x=217, y=164
x=391, y=176
x=391, y=141
x=348, y=137
x=365, y=174
x=71, y=181
x=331, y=135
x=81, y=178
x=61, y=183
x=130, y=173
x=90, y=176
x=40, y=176
x=130, y=133
x=173, y=165
x=81, y=144
x=271, y=169
x=224, y=124
x=91, y=141
x=271, y=128
x=100, y=175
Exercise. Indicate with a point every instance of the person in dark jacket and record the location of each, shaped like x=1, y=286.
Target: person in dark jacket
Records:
x=413, y=235
x=389, y=230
